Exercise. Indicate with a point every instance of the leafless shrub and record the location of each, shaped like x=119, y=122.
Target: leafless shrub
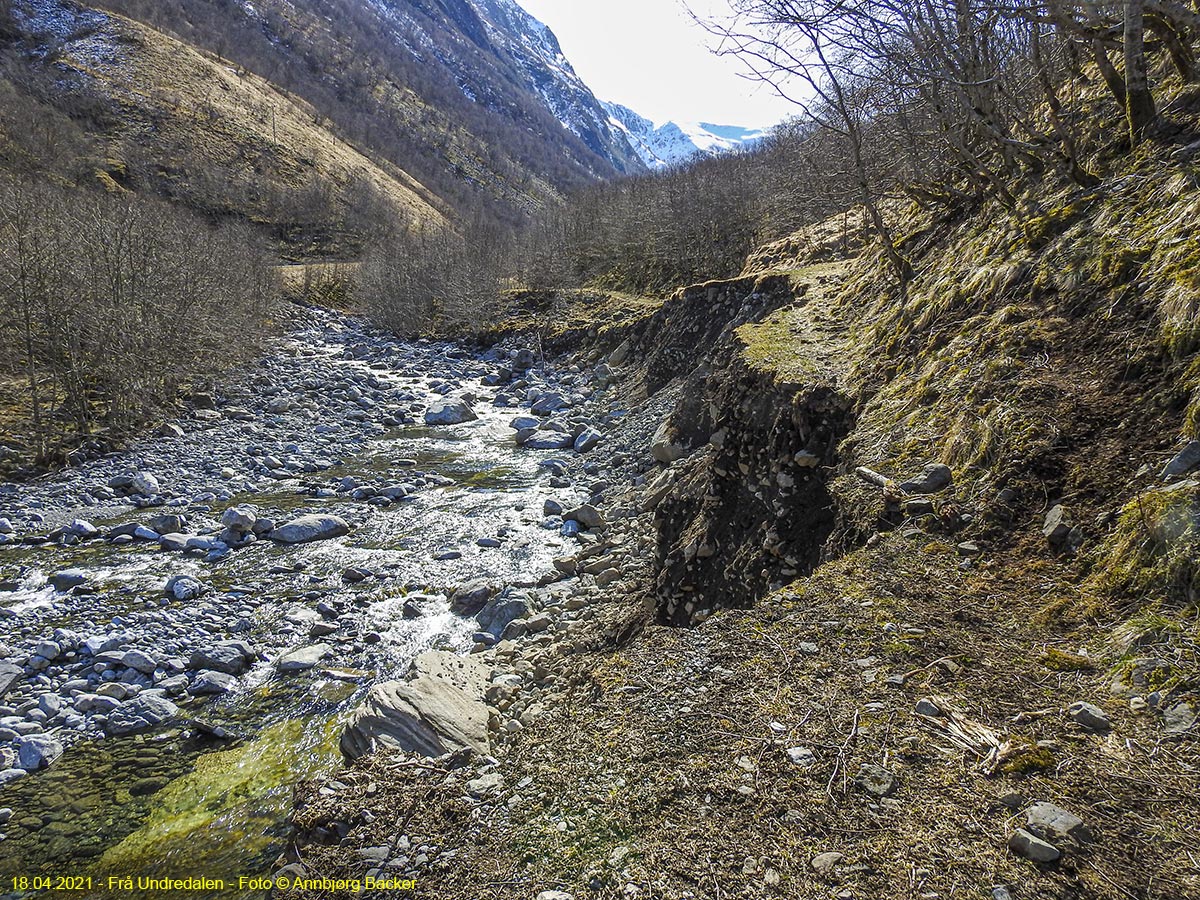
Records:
x=109, y=303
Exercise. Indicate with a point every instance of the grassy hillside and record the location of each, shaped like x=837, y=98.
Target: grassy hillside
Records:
x=124, y=107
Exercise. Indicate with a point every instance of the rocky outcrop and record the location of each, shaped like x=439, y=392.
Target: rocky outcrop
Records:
x=743, y=503
x=689, y=326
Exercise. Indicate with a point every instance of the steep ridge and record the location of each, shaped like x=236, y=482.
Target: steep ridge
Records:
x=127, y=107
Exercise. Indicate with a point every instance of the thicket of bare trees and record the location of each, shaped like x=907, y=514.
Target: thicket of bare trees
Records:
x=108, y=304
x=690, y=223
x=941, y=98
x=419, y=277
x=942, y=102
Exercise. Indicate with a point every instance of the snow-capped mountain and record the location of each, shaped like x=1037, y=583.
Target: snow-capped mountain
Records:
x=673, y=143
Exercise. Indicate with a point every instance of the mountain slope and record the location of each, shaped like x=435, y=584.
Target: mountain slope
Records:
x=473, y=98
x=126, y=106
x=672, y=143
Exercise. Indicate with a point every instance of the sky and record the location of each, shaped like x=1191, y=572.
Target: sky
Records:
x=650, y=56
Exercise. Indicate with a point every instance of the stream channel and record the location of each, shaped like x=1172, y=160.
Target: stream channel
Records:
x=327, y=423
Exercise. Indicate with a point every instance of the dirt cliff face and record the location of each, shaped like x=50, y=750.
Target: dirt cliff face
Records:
x=751, y=509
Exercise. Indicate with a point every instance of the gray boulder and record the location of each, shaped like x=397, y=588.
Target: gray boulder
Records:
x=586, y=515
x=145, y=484
x=548, y=403
x=239, y=519
x=544, y=440
x=1053, y=823
x=37, y=751
x=303, y=658
x=141, y=713
x=450, y=412
x=524, y=423
x=228, y=657
x=139, y=662
x=934, y=478
x=185, y=587
x=1187, y=459
x=67, y=579
x=310, y=528
x=1089, y=716
x=1032, y=847
x=588, y=440
x=468, y=598
x=210, y=682
x=81, y=529
x=665, y=446
x=499, y=611
x=11, y=676
x=168, y=523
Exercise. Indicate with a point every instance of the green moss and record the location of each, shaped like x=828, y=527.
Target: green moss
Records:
x=773, y=346
x=1153, y=553
x=1029, y=759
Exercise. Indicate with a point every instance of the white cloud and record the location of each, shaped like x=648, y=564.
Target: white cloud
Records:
x=650, y=56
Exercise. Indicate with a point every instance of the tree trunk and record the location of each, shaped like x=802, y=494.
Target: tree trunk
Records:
x=1139, y=101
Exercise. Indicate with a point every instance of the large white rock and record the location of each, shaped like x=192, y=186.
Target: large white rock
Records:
x=664, y=446
x=429, y=716
x=38, y=751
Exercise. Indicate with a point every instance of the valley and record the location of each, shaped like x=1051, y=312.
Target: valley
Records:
x=422, y=478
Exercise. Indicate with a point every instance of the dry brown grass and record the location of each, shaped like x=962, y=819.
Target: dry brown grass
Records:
x=209, y=126
x=666, y=749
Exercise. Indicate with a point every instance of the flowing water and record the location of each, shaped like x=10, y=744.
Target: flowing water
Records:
x=178, y=801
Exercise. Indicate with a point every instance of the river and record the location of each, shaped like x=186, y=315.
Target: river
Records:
x=326, y=423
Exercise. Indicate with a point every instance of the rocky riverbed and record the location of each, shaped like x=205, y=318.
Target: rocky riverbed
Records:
x=186, y=625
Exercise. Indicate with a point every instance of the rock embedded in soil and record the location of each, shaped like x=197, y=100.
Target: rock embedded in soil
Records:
x=934, y=478
x=1184, y=462
x=665, y=447
x=1057, y=526
x=1055, y=824
x=825, y=863
x=1089, y=716
x=801, y=756
x=1031, y=847
x=876, y=780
